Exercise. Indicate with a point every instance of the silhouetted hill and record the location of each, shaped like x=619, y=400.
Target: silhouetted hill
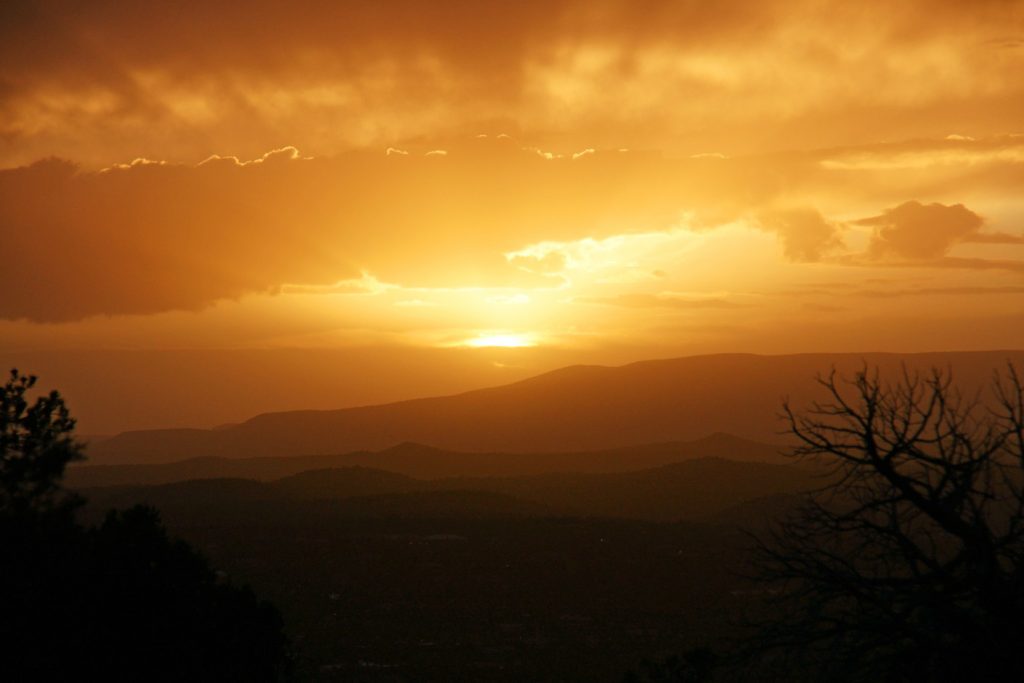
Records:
x=573, y=409
x=342, y=483
x=417, y=460
x=226, y=502
x=684, y=490
x=312, y=485
x=194, y=493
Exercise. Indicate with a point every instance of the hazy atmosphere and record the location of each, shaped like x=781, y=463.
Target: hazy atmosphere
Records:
x=420, y=187
x=470, y=246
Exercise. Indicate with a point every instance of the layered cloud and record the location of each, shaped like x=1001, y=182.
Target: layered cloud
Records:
x=595, y=181
x=153, y=236
x=102, y=81
x=671, y=300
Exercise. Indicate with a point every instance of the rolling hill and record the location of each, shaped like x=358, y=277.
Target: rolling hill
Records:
x=688, y=490
x=578, y=408
x=425, y=462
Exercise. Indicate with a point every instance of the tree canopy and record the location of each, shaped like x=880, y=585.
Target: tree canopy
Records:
x=116, y=602
x=36, y=444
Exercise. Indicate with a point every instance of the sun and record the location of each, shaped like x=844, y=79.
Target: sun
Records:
x=502, y=340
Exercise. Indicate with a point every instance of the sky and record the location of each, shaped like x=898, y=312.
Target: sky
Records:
x=322, y=204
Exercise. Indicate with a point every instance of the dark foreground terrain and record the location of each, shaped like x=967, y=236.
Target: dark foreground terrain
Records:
x=478, y=562
x=484, y=597
x=556, y=577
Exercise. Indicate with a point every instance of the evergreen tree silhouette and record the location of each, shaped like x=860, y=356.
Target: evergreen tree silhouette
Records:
x=121, y=601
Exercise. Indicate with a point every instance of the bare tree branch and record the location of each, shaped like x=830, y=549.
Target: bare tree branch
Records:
x=907, y=564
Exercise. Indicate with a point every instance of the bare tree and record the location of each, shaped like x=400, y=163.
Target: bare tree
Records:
x=907, y=564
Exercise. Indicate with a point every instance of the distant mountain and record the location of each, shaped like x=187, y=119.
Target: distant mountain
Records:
x=687, y=490
x=417, y=460
x=204, y=494
x=348, y=482
x=577, y=408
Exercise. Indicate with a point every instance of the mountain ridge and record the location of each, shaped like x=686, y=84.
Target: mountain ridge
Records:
x=692, y=489
x=420, y=460
x=576, y=408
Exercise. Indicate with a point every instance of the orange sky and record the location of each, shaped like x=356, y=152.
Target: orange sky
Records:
x=582, y=181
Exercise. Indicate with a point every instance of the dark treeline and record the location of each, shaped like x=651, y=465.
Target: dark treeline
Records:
x=117, y=601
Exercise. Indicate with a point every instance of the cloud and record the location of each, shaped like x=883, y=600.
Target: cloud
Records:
x=962, y=263
x=940, y=291
x=918, y=154
x=100, y=82
x=805, y=235
x=147, y=238
x=551, y=262
x=660, y=300
x=274, y=156
x=367, y=284
x=994, y=238
x=920, y=232
x=914, y=230
x=152, y=237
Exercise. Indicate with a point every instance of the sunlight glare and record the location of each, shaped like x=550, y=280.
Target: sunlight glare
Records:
x=503, y=340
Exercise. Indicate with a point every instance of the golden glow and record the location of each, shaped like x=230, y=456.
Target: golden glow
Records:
x=626, y=180
x=510, y=341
